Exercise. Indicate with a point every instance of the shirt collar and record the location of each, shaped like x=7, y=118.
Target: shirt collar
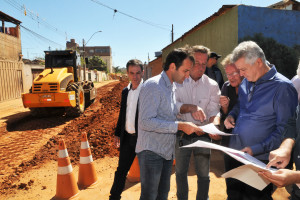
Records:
x=130, y=85
x=166, y=79
x=268, y=76
x=190, y=80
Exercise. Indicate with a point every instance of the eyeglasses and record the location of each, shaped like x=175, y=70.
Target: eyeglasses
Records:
x=231, y=75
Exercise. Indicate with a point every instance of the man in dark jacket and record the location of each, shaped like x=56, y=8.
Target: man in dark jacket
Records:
x=126, y=130
x=212, y=70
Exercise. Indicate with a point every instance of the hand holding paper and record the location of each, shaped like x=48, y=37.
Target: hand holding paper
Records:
x=247, y=173
x=212, y=129
x=282, y=177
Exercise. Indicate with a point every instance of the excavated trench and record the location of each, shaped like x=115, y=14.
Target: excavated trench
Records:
x=30, y=142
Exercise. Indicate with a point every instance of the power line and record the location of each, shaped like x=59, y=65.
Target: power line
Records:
x=138, y=19
x=40, y=36
x=36, y=17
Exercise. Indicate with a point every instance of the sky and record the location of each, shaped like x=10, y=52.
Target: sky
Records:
x=137, y=30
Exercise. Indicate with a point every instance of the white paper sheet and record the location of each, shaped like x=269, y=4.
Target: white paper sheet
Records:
x=212, y=129
x=249, y=175
x=244, y=173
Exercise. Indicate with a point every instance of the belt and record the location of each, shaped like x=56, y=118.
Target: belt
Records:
x=187, y=137
x=130, y=134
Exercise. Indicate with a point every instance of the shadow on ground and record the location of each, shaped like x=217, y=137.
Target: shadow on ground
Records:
x=24, y=122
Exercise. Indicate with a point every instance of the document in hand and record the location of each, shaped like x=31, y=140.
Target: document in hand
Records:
x=212, y=129
x=246, y=173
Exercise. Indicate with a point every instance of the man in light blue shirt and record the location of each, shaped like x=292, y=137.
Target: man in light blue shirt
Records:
x=267, y=100
x=158, y=126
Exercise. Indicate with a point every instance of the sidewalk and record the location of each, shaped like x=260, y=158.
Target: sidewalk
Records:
x=12, y=108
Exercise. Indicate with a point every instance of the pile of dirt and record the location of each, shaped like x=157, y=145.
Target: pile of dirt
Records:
x=98, y=121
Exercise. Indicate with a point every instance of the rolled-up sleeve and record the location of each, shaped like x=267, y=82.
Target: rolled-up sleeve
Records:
x=291, y=128
x=213, y=107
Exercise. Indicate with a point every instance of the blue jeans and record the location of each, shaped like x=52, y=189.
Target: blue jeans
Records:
x=202, y=161
x=155, y=176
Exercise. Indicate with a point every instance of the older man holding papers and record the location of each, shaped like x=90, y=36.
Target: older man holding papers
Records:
x=267, y=100
x=199, y=90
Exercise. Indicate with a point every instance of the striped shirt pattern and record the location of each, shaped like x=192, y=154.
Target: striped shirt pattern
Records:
x=157, y=117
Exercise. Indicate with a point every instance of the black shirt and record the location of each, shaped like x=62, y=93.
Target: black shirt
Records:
x=230, y=92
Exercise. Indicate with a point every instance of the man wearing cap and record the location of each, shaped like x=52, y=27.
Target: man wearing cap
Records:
x=212, y=70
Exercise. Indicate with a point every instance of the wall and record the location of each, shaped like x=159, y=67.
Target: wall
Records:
x=108, y=61
x=147, y=72
x=30, y=72
x=10, y=46
x=95, y=76
x=11, y=85
x=156, y=66
x=220, y=35
x=281, y=25
x=27, y=77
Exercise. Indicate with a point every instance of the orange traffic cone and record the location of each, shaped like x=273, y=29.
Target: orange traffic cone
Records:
x=87, y=172
x=134, y=172
x=66, y=187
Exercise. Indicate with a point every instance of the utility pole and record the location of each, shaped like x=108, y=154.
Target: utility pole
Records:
x=172, y=34
x=84, y=66
x=83, y=48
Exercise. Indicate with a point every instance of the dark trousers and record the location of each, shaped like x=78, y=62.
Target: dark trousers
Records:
x=237, y=190
x=127, y=155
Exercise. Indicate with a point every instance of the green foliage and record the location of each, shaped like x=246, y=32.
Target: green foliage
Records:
x=297, y=50
x=117, y=69
x=283, y=57
x=82, y=61
x=97, y=63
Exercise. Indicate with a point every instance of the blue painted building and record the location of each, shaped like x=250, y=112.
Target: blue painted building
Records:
x=281, y=25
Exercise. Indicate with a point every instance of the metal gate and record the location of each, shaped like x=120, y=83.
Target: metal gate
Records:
x=11, y=86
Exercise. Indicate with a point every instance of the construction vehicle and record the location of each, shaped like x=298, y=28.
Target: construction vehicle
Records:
x=60, y=86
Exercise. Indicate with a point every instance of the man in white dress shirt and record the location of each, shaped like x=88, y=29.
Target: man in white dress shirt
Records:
x=204, y=92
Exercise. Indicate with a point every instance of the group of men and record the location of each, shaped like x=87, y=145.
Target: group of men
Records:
x=160, y=115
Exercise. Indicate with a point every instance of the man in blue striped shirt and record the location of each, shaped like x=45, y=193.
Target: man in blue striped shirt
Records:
x=158, y=126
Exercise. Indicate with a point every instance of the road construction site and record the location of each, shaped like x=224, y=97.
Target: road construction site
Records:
x=29, y=151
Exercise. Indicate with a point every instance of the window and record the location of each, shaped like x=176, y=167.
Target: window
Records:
x=106, y=50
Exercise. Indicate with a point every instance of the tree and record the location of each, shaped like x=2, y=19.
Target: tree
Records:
x=117, y=69
x=297, y=49
x=97, y=63
x=283, y=57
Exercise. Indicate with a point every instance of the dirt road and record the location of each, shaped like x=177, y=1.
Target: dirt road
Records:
x=28, y=153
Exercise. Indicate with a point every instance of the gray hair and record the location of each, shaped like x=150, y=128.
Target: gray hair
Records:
x=250, y=51
x=200, y=49
x=227, y=61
